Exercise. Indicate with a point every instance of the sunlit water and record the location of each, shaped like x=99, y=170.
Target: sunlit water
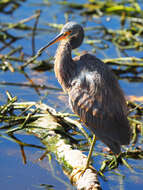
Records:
x=34, y=175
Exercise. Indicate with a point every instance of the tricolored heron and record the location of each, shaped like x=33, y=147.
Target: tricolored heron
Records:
x=94, y=92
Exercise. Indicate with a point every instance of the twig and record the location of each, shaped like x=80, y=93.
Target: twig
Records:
x=32, y=59
x=124, y=61
x=34, y=31
x=20, y=22
x=30, y=85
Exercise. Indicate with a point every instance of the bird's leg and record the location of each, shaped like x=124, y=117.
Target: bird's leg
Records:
x=90, y=152
x=83, y=169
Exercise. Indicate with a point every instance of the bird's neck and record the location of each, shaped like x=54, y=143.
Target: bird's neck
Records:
x=63, y=66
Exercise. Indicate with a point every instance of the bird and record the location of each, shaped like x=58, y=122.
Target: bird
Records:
x=93, y=89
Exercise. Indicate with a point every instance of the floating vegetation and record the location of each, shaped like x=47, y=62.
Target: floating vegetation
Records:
x=58, y=133
x=53, y=129
x=130, y=8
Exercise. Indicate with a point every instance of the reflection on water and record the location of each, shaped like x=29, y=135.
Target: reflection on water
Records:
x=33, y=175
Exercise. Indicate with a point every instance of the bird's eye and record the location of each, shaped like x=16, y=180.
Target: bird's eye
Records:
x=65, y=34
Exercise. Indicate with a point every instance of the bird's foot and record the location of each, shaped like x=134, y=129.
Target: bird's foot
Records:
x=79, y=172
x=114, y=162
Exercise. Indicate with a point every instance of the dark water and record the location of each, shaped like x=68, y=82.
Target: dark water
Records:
x=35, y=175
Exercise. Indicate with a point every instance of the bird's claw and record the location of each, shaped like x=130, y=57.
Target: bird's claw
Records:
x=114, y=162
x=79, y=171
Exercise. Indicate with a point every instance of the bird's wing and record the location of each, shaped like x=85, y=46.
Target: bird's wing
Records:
x=97, y=98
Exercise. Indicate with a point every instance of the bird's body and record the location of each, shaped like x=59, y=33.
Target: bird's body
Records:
x=94, y=92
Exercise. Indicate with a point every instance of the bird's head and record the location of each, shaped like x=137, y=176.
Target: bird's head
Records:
x=71, y=32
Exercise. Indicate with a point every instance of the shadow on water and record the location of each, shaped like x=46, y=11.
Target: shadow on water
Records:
x=113, y=31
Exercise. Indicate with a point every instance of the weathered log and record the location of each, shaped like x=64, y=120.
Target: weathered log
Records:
x=49, y=128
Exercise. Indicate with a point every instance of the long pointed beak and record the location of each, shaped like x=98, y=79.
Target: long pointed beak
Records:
x=56, y=39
